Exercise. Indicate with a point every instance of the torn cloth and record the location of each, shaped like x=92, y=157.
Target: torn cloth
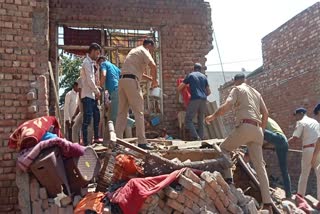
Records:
x=68, y=150
x=132, y=196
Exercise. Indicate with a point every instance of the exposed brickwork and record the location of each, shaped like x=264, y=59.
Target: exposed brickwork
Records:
x=23, y=70
x=184, y=25
x=290, y=76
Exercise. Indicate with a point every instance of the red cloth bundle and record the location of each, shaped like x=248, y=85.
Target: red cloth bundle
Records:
x=185, y=93
x=29, y=133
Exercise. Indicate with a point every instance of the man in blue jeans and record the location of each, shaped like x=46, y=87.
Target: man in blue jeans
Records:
x=274, y=135
x=110, y=79
x=199, y=89
x=90, y=93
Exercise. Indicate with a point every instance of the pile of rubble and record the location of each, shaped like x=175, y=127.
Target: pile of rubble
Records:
x=191, y=194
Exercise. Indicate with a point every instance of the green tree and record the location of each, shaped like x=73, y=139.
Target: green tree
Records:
x=70, y=72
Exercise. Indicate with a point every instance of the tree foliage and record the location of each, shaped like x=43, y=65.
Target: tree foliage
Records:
x=70, y=72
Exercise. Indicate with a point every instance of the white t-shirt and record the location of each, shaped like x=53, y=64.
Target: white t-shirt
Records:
x=308, y=129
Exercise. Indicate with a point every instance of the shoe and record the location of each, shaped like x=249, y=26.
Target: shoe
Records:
x=145, y=147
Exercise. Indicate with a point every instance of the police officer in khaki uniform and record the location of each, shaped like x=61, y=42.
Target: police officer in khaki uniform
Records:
x=130, y=94
x=249, y=106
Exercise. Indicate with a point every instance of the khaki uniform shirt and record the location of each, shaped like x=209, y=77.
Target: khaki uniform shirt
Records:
x=246, y=101
x=136, y=62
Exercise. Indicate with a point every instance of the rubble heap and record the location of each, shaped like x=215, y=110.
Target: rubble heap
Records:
x=192, y=194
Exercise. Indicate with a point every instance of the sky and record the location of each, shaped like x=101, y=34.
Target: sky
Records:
x=239, y=27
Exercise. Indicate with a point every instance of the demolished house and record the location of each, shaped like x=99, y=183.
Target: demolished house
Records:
x=55, y=176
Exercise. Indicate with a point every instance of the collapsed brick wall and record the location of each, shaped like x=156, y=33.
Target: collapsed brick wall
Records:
x=290, y=76
x=185, y=31
x=23, y=81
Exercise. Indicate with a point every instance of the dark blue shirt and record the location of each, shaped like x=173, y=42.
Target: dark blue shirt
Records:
x=198, y=83
x=112, y=75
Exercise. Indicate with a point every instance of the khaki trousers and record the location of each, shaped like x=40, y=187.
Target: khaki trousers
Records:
x=252, y=136
x=130, y=95
x=305, y=171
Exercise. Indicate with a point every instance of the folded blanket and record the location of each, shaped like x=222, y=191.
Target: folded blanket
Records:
x=29, y=133
x=67, y=148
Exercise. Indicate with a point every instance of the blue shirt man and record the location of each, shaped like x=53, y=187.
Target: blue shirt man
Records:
x=198, y=84
x=110, y=79
x=199, y=89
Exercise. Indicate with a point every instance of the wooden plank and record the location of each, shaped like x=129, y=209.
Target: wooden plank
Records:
x=219, y=121
x=214, y=123
x=56, y=97
x=210, y=128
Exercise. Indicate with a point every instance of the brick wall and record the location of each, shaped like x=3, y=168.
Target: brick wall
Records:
x=290, y=74
x=184, y=25
x=23, y=80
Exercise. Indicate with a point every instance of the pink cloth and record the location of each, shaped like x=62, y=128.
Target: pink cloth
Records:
x=302, y=204
x=132, y=196
x=68, y=150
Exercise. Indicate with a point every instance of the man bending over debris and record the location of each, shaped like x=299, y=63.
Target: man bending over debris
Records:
x=309, y=130
x=130, y=94
x=199, y=87
x=274, y=135
x=249, y=106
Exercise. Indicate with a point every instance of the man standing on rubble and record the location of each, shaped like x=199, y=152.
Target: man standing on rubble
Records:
x=90, y=93
x=70, y=106
x=110, y=80
x=308, y=130
x=130, y=94
x=250, y=125
x=199, y=88
x=274, y=135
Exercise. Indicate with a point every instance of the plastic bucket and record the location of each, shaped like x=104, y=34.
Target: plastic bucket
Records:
x=156, y=92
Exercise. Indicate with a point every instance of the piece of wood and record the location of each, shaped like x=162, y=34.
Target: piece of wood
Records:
x=219, y=121
x=131, y=146
x=56, y=97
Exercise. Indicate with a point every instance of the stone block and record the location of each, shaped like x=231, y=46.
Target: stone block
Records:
x=210, y=192
x=221, y=181
x=193, y=197
x=191, y=175
x=22, y=182
x=167, y=209
x=188, y=203
x=195, y=208
x=175, y=205
x=170, y=192
x=65, y=201
x=185, y=182
x=219, y=205
x=234, y=209
x=34, y=189
x=181, y=198
x=187, y=211
x=43, y=193
x=45, y=204
x=232, y=197
x=36, y=207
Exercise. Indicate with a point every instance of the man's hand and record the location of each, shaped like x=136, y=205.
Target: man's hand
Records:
x=210, y=118
x=154, y=84
x=98, y=95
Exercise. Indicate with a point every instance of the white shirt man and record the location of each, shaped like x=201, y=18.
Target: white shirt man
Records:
x=70, y=106
x=307, y=129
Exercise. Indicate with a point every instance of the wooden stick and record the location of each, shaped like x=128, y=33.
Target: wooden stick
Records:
x=56, y=96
